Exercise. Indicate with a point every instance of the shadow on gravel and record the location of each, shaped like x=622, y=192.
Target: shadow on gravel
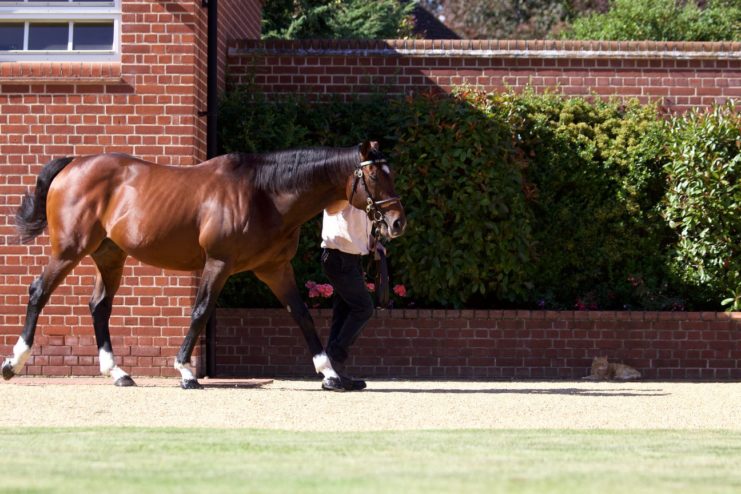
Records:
x=235, y=385
x=560, y=391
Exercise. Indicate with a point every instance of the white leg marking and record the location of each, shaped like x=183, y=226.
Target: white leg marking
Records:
x=323, y=365
x=108, y=366
x=185, y=371
x=21, y=352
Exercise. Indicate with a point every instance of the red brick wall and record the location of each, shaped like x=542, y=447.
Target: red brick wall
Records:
x=678, y=75
x=238, y=20
x=491, y=344
x=147, y=105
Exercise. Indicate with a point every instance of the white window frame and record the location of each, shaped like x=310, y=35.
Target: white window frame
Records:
x=59, y=12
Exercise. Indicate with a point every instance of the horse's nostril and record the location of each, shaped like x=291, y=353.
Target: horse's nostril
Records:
x=399, y=225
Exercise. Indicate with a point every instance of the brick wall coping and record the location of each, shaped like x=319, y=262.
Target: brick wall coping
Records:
x=521, y=314
x=497, y=48
x=60, y=72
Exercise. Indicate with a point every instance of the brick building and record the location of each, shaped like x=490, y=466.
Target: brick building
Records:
x=81, y=78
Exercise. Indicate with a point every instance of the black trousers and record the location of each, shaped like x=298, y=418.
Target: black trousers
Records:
x=352, y=306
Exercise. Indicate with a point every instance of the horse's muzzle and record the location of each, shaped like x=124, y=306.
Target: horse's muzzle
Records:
x=397, y=226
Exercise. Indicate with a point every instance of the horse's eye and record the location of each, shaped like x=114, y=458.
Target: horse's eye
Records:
x=373, y=177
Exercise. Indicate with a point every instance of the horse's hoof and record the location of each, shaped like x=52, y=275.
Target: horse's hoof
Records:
x=8, y=373
x=124, y=382
x=190, y=384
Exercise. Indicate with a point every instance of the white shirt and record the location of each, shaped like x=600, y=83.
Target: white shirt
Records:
x=347, y=230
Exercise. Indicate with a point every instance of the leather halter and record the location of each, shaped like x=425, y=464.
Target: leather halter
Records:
x=372, y=205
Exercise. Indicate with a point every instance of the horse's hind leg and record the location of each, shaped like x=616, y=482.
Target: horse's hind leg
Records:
x=39, y=293
x=109, y=259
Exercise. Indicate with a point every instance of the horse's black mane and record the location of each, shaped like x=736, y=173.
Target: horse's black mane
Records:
x=299, y=169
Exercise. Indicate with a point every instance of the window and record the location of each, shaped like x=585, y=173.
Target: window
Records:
x=92, y=36
x=47, y=36
x=59, y=30
x=11, y=36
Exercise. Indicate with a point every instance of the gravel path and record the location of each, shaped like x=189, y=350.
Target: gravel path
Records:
x=385, y=405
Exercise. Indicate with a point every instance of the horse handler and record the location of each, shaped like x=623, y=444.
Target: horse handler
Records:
x=346, y=236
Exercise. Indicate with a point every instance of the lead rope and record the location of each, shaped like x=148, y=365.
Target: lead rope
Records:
x=377, y=261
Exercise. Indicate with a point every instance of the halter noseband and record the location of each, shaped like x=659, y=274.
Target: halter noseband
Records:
x=374, y=212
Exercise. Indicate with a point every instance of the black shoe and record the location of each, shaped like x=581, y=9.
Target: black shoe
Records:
x=357, y=385
x=348, y=382
x=340, y=384
x=335, y=384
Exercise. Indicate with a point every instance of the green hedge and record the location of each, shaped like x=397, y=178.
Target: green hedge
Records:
x=469, y=239
x=661, y=20
x=596, y=174
x=703, y=203
x=514, y=200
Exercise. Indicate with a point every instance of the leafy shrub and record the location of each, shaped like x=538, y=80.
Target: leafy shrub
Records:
x=596, y=179
x=468, y=240
x=661, y=20
x=525, y=200
x=703, y=202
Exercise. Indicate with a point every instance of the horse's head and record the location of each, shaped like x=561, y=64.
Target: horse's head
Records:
x=371, y=188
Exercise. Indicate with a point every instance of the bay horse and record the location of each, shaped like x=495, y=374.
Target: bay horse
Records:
x=237, y=212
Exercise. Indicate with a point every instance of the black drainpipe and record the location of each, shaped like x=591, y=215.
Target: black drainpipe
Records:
x=212, y=89
x=212, y=143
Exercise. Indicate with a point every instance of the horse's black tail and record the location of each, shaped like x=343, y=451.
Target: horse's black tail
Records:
x=30, y=219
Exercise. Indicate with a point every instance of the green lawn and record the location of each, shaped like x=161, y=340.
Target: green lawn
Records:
x=120, y=460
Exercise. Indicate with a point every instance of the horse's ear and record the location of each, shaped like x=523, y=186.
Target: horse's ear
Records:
x=366, y=147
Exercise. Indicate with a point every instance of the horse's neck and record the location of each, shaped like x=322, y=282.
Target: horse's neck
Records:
x=320, y=173
x=299, y=208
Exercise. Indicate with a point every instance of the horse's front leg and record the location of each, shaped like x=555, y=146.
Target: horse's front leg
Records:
x=215, y=274
x=282, y=282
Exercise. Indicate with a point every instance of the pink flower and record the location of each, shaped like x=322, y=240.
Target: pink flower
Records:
x=317, y=290
x=400, y=290
x=370, y=286
x=313, y=289
x=325, y=290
